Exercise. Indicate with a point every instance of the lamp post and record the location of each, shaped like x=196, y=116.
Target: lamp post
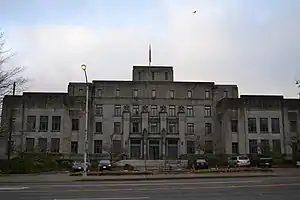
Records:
x=84, y=68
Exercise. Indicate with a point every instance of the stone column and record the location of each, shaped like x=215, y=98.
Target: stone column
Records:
x=126, y=127
x=163, y=126
x=181, y=130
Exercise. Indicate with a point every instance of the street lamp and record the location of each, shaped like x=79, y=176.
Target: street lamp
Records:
x=84, y=68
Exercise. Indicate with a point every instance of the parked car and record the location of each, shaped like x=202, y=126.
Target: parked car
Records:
x=104, y=165
x=264, y=161
x=201, y=164
x=79, y=166
x=298, y=163
x=239, y=161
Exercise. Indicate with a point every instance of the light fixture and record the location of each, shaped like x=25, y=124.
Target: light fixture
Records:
x=83, y=67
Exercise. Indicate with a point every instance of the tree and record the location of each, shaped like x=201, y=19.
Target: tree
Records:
x=295, y=144
x=115, y=153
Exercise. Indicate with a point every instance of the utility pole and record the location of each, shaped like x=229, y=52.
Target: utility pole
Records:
x=10, y=127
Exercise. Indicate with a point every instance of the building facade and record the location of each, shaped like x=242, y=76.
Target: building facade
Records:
x=152, y=116
x=256, y=124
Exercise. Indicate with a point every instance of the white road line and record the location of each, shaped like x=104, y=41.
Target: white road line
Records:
x=109, y=198
x=12, y=188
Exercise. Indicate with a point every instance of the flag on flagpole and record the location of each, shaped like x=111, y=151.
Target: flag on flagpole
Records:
x=150, y=58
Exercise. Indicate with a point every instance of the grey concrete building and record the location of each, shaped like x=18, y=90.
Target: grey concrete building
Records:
x=152, y=116
x=253, y=124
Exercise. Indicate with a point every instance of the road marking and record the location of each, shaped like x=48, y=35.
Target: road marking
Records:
x=109, y=198
x=12, y=188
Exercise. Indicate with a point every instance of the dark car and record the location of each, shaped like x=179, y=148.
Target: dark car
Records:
x=264, y=161
x=104, y=165
x=201, y=163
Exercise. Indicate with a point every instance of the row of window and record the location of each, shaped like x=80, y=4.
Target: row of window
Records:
x=153, y=110
x=263, y=125
x=263, y=147
x=136, y=127
x=171, y=93
x=44, y=123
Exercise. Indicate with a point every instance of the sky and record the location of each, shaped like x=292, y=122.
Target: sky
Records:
x=252, y=43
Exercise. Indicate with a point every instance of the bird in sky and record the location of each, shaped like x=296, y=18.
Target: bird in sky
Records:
x=195, y=11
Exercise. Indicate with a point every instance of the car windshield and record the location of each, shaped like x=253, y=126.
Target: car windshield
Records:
x=104, y=161
x=243, y=157
x=233, y=158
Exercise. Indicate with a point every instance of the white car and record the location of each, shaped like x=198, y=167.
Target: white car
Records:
x=298, y=163
x=239, y=161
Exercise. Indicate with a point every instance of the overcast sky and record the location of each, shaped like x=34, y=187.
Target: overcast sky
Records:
x=252, y=43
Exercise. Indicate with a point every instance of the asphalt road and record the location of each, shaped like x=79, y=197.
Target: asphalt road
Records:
x=275, y=188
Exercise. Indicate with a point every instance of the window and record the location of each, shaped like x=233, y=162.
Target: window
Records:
x=190, y=145
x=153, y=110
x=135, y=110
x=252, y=125
x=97, y=146
x=116, y=146
x=234, y=126
x=117, y=127
x=190, y=128
x=190, y=111
x=31, y=123
x=275, y=125
x=153, y=75
x=140, y=75
x=80, y=92
x=42, y=144
x=172, y=111
x=263, y=125
x=98, y=110
x=208, y=146
x=55, y=143
x=265, y=146
x=171, y=93
x=74, y=147
x=117, y=110
x=172, y=148
x=166, y=76
x=153, y=93
x=43, y=123
x=56, y=121
x=276, y=146
x=235, y=148
x=208, y=128
x=293, y=126
x=172, y=127
x=207, y=94
x=154, y=149
x=99, y=92
x=135, y=93
x=98, y=127
x=117, y=92
x=189, y=94
x=207, y=111
x=29, y=144
x=135, y=127
x=253, y=146
x=75, y=124
x=135, y=149
x=154, y=127
x=226, y=94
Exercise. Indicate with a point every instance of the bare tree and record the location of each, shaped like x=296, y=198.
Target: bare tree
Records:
x=115, y=154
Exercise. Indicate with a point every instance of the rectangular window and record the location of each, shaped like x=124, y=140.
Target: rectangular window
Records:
x=117, y=127
x=172, y=127
x=42, y=144
x=207, y=94
x=166, y=76
x=276, y=146
x=29, y=144
x=153, y=110
x=135, y=110
x=208, y=128
x=225, y=94
x=208, y=146
x=99, y=92
x=275, y=125
x=252, y=125
x=75, y=124
x=190, y=128
x=98, y=110
x=171, y=93
x=153, y=93
x=234, y=126
x=31, y=123
x=43, y=123
x=55, y=144
x=172, y=149
x=253, y=146
x=190, y=111
x=190, y=147
x=293, y=126
x=135, y=93
x=153, y=76
x=265, y=146
x=56, y=122
x=97, y=146
x=264, y=125
x=116, y=146
x=207, y=111
x=189, y=94
x=117, y=92
x=172, y=111
x=98, y=127
x=80, y=92
x=154, y=127
x=74, y=147
x=117, y=111
x=235, y=148
x=135, y=149
x=135, y=127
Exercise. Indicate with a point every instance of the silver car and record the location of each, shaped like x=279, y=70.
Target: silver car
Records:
x=239, y=161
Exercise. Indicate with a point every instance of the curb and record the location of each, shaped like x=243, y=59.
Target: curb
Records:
x=172, y=178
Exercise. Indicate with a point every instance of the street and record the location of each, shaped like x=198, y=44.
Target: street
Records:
x=211, y=189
